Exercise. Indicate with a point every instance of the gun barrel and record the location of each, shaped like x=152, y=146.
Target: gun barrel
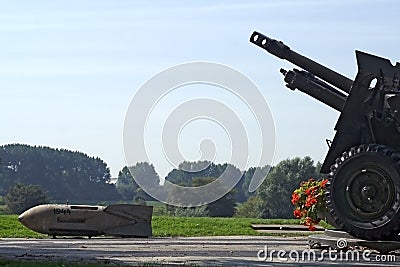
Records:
x=279, y=49
x=315, y=88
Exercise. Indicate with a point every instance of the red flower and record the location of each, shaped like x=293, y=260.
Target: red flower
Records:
x=308, y=221
x=297, y=213
x=308, y=191
x=295, y=198
x=311, y=228
x=310, y=201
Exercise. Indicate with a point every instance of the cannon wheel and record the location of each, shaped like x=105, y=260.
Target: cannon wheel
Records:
x=363, y=192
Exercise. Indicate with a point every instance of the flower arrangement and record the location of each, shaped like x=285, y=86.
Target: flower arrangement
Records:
x=309, y=202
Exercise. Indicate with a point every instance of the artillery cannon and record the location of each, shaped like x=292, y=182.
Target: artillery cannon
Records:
x=363, y=161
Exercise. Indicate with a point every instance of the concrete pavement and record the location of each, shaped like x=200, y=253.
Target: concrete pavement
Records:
x=209, y=251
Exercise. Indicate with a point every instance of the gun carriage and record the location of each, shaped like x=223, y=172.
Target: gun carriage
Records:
x=363, y=161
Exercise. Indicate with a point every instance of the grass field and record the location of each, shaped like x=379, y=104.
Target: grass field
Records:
x=11, y=227
x=163, y=226
x=201, y=226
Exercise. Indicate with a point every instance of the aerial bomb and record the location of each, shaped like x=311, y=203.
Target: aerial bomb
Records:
x=124, y=220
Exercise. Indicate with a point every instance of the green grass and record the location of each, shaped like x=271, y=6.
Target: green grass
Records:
x=164, y=226
x=155, y=203
x=11, y=227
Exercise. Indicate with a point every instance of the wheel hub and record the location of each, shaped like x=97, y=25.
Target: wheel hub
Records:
x=370, y=193
x=364, y=192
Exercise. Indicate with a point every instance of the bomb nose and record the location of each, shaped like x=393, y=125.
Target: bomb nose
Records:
x=23, y=217
x=30, y=219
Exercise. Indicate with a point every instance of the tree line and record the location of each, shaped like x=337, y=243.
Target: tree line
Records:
x=64, y=175
x=59, y=175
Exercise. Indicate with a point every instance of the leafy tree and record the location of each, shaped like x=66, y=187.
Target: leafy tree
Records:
x=248, y=175
x=200, y=211
x=127, y=186
x=252, y=208
x=188, y=172
x=223, y=207
x=277, y=188
x=64, y=174
x=22, y=197
x=139, y=200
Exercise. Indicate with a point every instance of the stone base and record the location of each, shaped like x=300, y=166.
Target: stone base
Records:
x=340, y=240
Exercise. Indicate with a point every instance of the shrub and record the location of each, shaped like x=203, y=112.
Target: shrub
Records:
x=22, y=197
x=252, y=208
x=192, y=212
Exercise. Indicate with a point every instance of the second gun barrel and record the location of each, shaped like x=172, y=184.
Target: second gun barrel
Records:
x=282, y=51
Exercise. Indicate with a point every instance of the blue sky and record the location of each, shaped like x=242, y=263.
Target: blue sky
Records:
x=69, y=69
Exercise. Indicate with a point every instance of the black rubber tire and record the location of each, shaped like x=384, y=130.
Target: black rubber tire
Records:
x=363, y=192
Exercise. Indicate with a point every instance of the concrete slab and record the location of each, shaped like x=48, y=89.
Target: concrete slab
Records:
x=341, y=240
x=285, y=229
x=203, y=251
